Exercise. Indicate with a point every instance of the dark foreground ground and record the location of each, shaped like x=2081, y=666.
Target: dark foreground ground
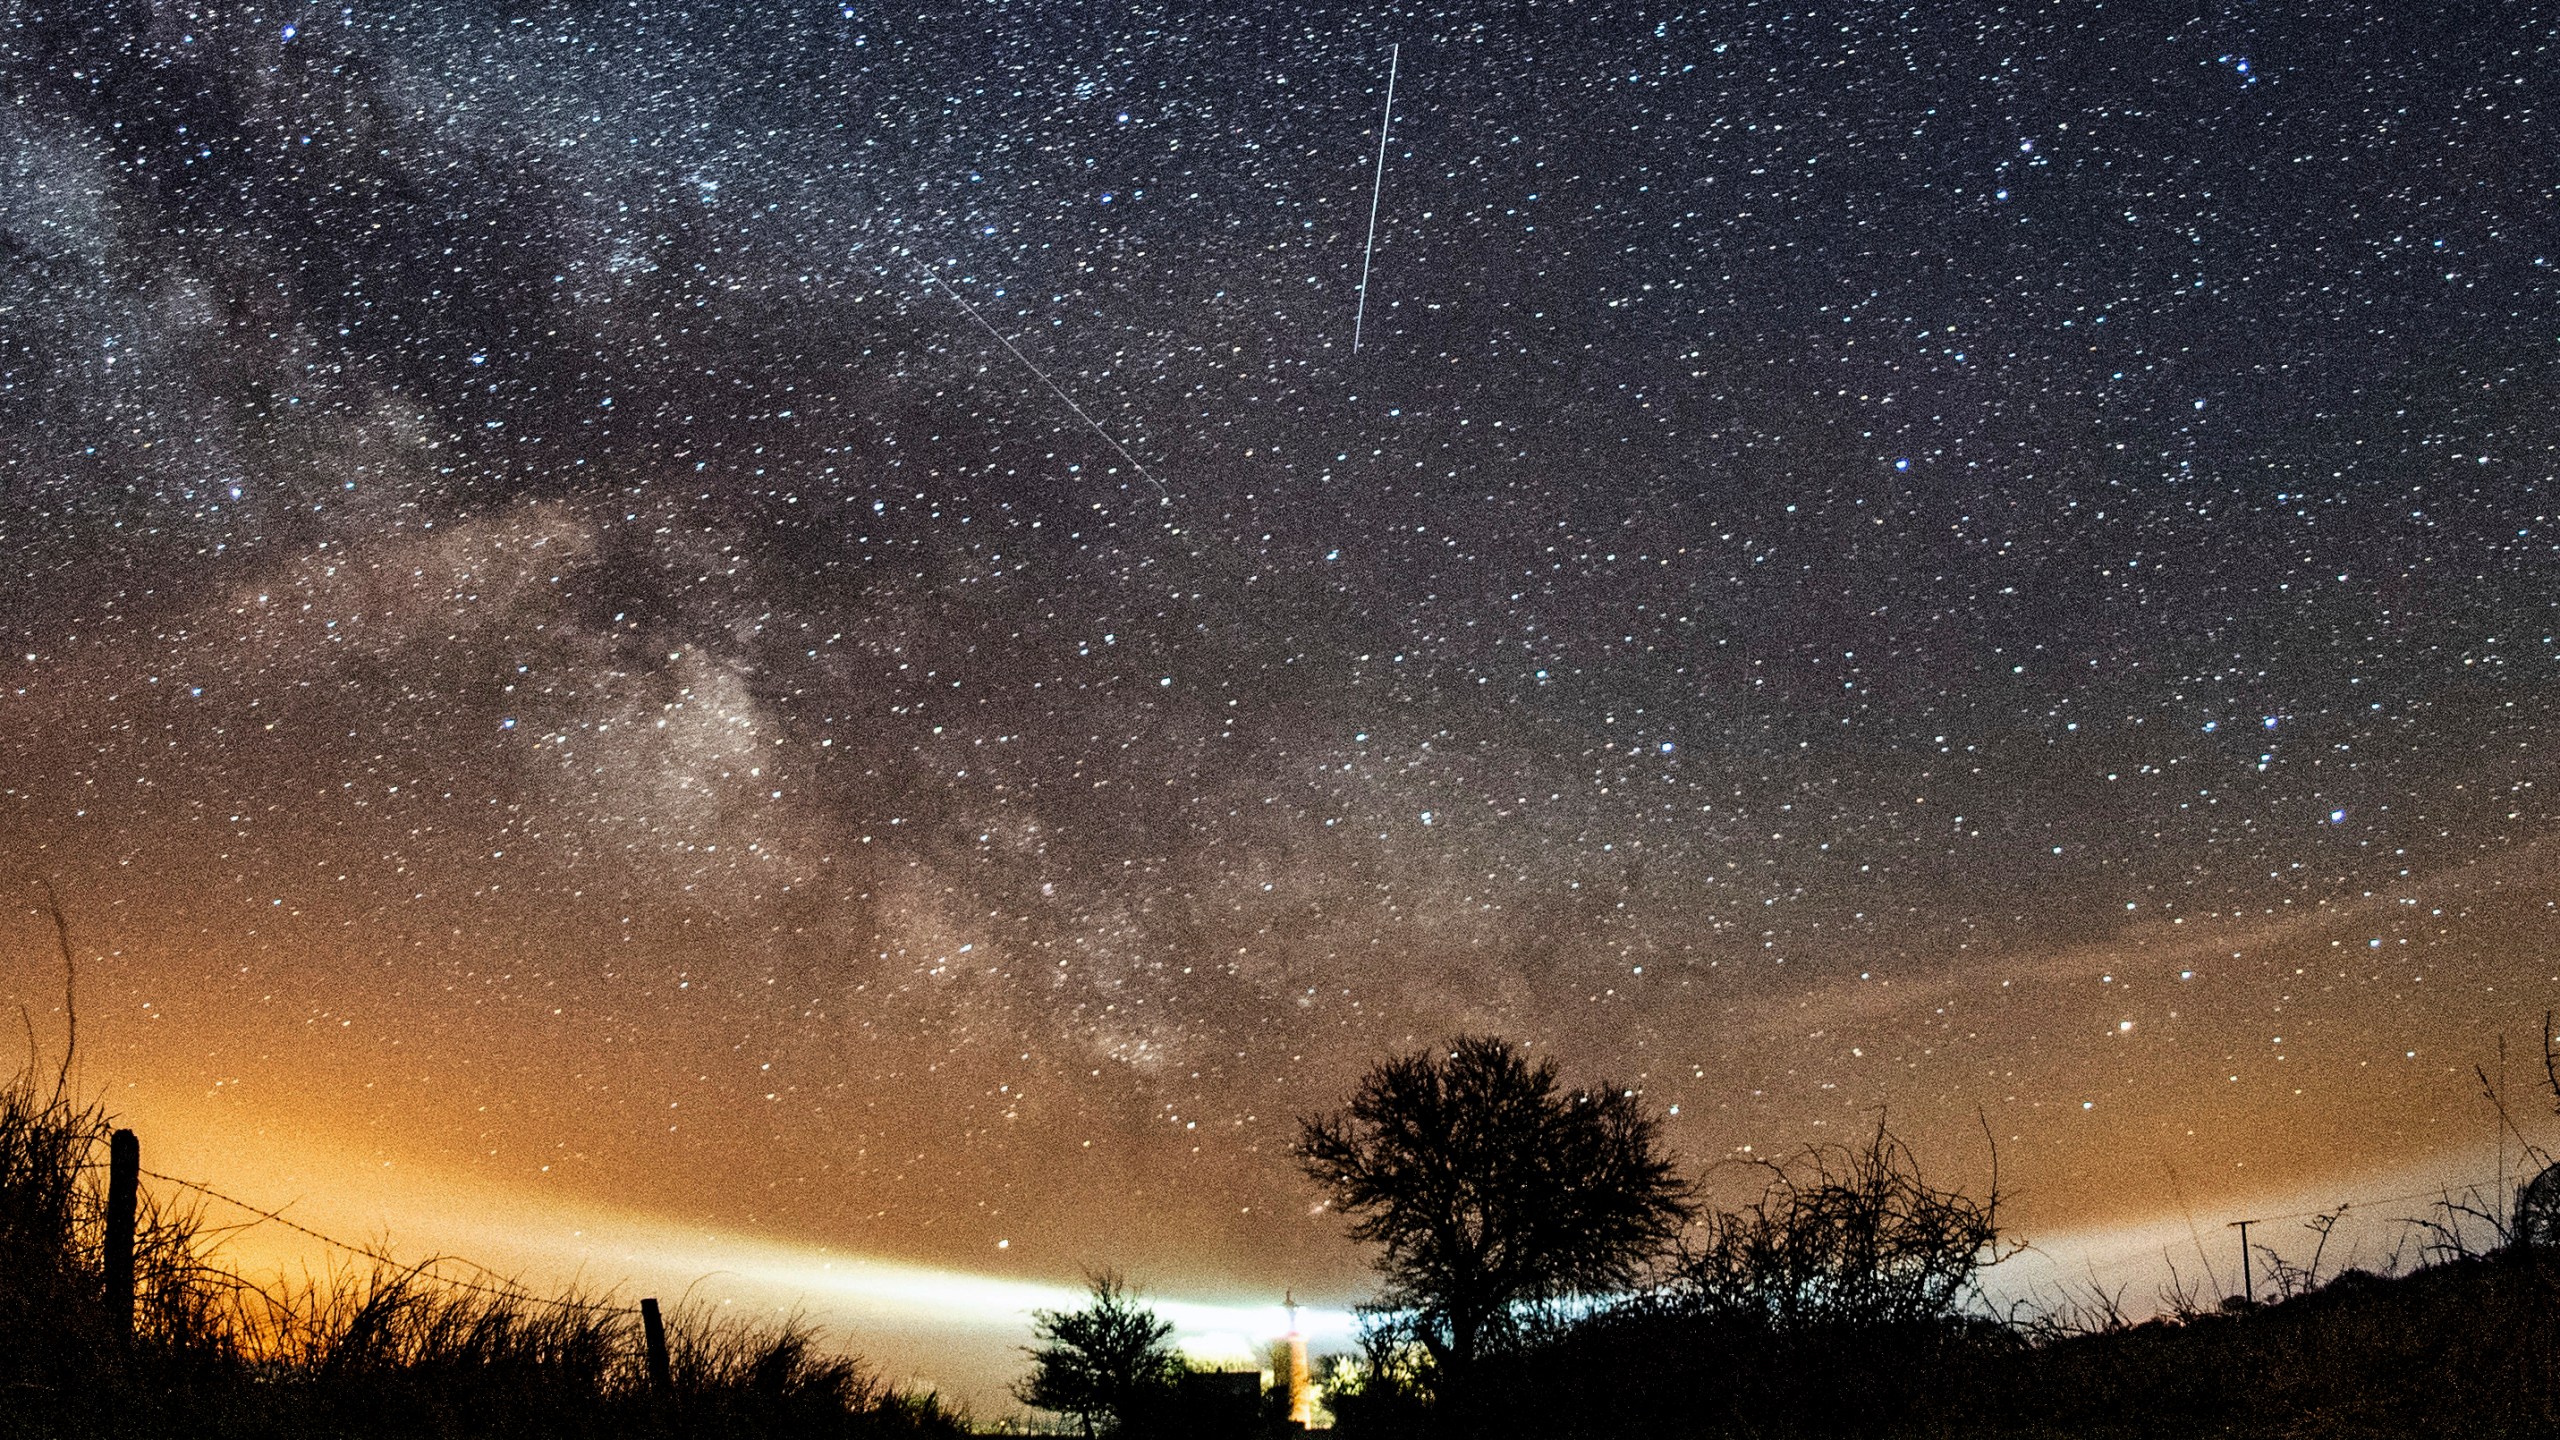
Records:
x=2470, y=1347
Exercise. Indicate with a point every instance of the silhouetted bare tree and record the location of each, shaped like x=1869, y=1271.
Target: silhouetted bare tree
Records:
x=1490, y=1189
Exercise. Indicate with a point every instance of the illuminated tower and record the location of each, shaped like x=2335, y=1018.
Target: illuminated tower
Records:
x=1302, y=1398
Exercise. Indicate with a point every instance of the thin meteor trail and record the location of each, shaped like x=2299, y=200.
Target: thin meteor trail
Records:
x=1376, y=189
x=1070, y=401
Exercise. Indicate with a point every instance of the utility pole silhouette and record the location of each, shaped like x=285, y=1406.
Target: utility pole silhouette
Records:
x=2248, y=1288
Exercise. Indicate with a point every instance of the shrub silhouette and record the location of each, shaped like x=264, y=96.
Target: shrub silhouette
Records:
x=1108, y=1364
x=1844, y=1237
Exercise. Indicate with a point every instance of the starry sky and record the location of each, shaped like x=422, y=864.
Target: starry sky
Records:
x=1993, y=564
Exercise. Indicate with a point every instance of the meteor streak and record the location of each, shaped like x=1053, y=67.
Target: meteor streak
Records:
x=1163, y=495
x=1377, y=189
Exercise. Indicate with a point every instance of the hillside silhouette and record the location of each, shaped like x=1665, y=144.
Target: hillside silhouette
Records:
x=1847, y=1299
x=2463, y=1347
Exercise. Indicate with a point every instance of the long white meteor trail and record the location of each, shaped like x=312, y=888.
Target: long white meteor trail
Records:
x=1377, y=189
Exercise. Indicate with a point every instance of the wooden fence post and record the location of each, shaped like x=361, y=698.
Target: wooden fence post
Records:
x=654, y=1328
x=124, y=1179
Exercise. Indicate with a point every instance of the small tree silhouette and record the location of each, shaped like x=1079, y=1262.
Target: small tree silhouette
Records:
x=1103, y=1363
x=1490, y=1190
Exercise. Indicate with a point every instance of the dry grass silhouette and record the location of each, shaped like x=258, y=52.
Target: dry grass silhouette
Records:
x=381, y=1350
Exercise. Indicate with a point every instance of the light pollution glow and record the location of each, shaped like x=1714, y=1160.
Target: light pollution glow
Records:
x=947, y=1329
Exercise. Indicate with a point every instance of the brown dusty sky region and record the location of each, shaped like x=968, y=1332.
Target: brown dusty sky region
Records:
x=593, y=708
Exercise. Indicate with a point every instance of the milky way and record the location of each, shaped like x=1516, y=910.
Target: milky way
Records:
x=1994, y=566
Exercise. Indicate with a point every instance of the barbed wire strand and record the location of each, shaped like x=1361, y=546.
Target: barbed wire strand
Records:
x=503, y=1292
x=2438, y=1192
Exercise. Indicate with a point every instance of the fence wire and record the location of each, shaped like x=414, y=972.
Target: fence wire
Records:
x=507, y=1291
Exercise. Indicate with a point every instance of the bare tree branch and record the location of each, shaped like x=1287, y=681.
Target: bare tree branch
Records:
x=70, y=986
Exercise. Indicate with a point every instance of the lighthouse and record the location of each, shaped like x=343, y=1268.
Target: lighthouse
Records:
x=1302, y=1399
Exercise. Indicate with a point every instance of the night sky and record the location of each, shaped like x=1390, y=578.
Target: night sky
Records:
x=1990, y=562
